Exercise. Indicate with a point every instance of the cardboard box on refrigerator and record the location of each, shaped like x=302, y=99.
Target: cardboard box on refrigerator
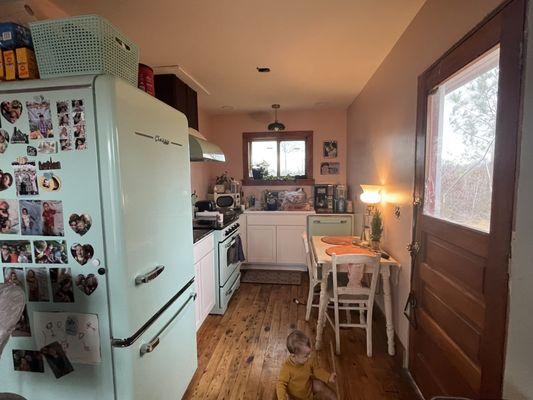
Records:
x=26, y=64
x=10, y=65
x=2, y=72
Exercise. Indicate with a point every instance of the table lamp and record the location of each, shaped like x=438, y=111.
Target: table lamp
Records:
x=371, y=196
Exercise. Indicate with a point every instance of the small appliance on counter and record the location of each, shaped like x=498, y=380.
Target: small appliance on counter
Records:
x=205, y=205
x=340, y=199
x=227, y=200
x=324, y=196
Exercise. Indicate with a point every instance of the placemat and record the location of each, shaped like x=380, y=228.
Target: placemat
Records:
x=340, y=250
x=339, y=240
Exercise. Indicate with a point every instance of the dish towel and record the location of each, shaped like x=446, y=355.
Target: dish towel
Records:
x=11, y=307
x=240, y=249
x=355, y=275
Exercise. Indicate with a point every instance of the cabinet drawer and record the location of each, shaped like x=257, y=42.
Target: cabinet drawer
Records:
x=277, y=219
x=203, y=247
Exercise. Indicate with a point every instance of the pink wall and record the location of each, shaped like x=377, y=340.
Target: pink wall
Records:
x=226, y=131
x=382, y=122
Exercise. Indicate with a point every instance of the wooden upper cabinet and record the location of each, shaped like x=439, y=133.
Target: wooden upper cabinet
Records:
x=173, y=91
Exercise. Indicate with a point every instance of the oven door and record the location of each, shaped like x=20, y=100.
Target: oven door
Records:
x=228, y=258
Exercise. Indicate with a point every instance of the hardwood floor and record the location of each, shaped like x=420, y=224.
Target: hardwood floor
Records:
x=239, y=354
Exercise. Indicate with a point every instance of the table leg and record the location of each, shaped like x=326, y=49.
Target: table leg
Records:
x=385, y=275
x=322, y=309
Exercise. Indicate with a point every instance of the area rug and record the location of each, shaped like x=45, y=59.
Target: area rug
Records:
x=271, y=277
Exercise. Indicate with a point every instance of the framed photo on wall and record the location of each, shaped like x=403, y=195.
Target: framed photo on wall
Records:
x=329, y=168
x=330, y=149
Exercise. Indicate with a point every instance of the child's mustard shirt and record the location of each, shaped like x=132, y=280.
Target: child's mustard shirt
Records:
x=295, y=379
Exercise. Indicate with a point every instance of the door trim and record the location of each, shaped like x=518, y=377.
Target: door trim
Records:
x=505, y=25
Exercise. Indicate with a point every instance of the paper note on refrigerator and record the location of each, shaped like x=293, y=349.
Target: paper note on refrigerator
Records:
x=77, y=333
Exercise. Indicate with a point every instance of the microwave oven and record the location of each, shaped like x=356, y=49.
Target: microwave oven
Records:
x=227, y=200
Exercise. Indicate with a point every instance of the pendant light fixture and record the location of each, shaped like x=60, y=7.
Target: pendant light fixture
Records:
x=276, y=126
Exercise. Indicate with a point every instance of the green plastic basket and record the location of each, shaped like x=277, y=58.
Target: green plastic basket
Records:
x=86, y=44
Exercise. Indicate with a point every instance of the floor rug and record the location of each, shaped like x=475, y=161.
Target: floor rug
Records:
x=271, y=277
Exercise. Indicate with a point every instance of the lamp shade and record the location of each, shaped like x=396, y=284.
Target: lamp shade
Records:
x=371, y=194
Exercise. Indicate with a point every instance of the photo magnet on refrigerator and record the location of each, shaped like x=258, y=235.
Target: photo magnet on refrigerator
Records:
x=57, y=359
x=9, y=217
x=37, y=284
x=11, y=110
x=82, y=253
x=4, y=141
x=19, y=137
x=87, y=284
x=40, y=118
x=31, y=151
x=47, y=147
x=50, y=252
x=15, y=251
x=6, y=180
x=80, y=223
x=28, y=361
x=25, y=177
x=62, y=287
x=49, y=164
x=49, y=182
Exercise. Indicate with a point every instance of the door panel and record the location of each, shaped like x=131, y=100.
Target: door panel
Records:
x=465, y=170
x=146, y=201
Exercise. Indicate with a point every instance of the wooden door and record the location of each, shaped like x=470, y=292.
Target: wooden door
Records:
x=467, y=129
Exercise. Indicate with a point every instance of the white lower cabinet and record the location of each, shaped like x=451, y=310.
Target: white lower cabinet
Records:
x=275, y=238
x=204, y=267
x=261, y=243
x=289, y=245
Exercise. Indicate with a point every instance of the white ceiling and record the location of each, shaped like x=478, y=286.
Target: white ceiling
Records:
x=320, y=51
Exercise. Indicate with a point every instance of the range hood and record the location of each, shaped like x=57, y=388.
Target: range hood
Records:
x=203, y=150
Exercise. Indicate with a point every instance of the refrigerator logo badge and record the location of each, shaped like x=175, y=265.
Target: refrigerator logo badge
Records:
x=158, y=138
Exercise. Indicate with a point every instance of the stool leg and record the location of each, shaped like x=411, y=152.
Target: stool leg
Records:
x=312, y=284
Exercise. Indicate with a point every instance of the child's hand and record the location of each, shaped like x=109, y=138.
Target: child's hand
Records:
x=332, y=378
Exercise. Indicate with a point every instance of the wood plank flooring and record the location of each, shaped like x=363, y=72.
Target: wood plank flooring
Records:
x=240, y=353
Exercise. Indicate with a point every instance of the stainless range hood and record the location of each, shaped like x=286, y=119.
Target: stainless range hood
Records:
x=203, y=150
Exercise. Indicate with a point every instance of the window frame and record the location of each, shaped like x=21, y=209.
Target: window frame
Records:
x=249, y=137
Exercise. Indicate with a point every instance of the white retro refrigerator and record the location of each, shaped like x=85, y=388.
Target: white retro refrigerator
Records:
x=96, y=228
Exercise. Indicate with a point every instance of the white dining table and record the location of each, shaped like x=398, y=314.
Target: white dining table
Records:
x=323, y=259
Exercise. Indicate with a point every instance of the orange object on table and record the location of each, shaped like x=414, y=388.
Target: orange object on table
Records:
x=339, y=239
x=342, y=250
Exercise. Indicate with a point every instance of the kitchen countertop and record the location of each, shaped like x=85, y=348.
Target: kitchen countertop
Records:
x=199, y=234
x=260, y=211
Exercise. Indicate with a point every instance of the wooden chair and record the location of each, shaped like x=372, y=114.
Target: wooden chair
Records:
x=353, y=298
x=314, y=278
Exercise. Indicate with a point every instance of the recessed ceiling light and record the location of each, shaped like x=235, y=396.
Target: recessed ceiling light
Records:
x=227, y=108
x=263, y=70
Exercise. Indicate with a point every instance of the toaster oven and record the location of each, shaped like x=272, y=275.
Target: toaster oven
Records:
x=227, y=200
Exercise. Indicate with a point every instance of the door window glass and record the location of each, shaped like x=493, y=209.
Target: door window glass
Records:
x=461, y=129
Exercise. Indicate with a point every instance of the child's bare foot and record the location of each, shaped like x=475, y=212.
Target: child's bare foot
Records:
x=323, y=390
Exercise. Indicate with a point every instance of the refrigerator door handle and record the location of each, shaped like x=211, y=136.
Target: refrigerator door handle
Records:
x=132, y=339
x=150, y=346
x=149, y=276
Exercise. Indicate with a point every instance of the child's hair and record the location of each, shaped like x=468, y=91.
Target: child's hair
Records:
x=296, y=341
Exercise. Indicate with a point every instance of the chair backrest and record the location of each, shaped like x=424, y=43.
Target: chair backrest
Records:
x=310, y=257
x=370, y=264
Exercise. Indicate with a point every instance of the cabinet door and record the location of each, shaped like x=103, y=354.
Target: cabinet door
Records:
x=289, y=245
x=208, y=284
x=199, y=293
x=261, y=243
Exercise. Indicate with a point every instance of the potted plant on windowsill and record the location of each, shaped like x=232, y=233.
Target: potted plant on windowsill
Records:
x=376, y=229
x=260, y=170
